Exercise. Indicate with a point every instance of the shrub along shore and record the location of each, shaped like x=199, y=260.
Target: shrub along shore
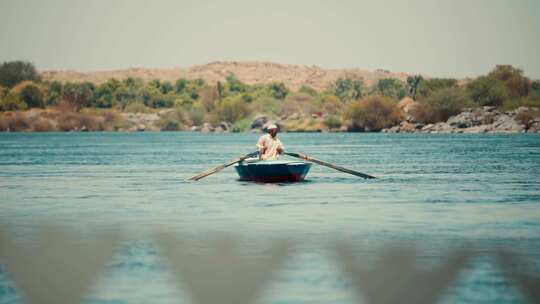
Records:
x=502, y=101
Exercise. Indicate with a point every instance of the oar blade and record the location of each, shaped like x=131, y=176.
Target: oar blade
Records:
x=329, y=165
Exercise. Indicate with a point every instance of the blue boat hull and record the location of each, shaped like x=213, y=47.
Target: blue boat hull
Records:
x=272, y=171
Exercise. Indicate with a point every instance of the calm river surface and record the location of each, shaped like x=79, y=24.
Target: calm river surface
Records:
x=434, y=191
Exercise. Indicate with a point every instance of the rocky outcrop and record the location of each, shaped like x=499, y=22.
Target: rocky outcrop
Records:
x=473, y=117
x=223, y=126
x=207, y=128
x=534, y=126
x=476, y=120
x=258, y=122
x=279, y=124
x=261, y=122
x=404, y=127
x=473, y=120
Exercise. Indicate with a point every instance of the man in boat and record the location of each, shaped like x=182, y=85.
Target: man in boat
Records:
x=270, y=147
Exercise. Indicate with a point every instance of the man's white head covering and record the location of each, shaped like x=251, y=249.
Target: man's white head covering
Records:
x=272, y=126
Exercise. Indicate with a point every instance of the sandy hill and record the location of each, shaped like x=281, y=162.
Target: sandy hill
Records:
x=250, y=72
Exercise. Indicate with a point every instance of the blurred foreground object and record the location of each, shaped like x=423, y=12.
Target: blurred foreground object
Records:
x=57, y=267
x=395, y=278
x=222, y=275
x=512, y=266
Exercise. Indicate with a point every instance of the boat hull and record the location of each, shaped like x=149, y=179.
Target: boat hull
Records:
x=272, y=171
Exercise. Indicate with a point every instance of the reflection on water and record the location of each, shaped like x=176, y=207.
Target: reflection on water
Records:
x=434, y=190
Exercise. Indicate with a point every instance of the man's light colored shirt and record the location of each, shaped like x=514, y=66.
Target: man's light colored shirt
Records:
x=270, y=145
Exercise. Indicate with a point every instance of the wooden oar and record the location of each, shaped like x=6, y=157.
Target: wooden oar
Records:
x=329, y=165
x=219, y=168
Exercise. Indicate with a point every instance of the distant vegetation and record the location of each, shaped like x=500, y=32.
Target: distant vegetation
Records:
x=347, y=103
x=373, y=113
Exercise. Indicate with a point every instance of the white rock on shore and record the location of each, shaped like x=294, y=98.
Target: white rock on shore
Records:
x=474, y=120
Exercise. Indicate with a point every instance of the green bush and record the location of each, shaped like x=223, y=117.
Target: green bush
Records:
x=137, y=107
x=279, y=90
x=171, y=121
x=12, y=102
x=132, y=82
x=535, y=87
x=516, y=84
x=166, y=87
x=14, y=72
x=180, y=85
x=300, y=103
x=193, y=92
x=330, y=104
x=189, y=87
x=54, y=95
x=126, y=94
x=241, y=125
x=199, y=82
x=232, y=109
x=373, y=113
x=32, y=95
x=104, y=101
x=487, y=91
x=534, y=95
x=265, y=105
x=390, y=87
x=413, y=82
x=440, y=105
x=78, y=95
x=233, y=85
x=196, y=115
x=184, y=101
x=257, y=91
x=308, y=90
x=3, y=92
x=512, y=104
x=332, y=122
x=428, y=86
x=105, y=94
x=348, y=88
x=247, y=98
x=162, y=101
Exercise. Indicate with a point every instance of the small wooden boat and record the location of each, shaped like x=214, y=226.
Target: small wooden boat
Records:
x=272, y=171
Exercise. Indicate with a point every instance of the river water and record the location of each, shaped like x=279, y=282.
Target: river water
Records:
x=434, y=191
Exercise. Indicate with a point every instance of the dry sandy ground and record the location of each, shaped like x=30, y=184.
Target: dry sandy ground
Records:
x=250, y=72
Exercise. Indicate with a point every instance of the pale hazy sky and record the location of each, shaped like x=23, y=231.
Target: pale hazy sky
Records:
x=453, y=38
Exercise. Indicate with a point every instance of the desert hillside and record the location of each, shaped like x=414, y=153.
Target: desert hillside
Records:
x=250, y=72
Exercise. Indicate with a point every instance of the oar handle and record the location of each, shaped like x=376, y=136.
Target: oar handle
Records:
x=221, y=167
x=326, y=164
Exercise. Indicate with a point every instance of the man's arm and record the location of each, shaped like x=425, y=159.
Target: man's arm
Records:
x=261, y=146
x=280, y=148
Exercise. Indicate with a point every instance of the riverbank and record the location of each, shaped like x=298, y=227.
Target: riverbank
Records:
x=502, y=101
x=471, y=120
x=478, y=120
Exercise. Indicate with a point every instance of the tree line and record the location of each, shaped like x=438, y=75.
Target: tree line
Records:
x=346, y=101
